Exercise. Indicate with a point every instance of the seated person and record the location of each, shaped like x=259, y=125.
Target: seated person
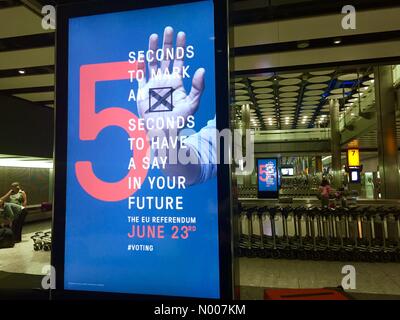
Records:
x=13, y=202
x=5, y=220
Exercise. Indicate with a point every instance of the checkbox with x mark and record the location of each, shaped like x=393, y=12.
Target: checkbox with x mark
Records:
x=160, y=99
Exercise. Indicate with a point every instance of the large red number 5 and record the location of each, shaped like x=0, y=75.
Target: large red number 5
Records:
x=263, y=171
x=91, y=123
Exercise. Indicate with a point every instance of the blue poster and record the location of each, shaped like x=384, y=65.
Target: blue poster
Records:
x=141, y=89
x=267, y=175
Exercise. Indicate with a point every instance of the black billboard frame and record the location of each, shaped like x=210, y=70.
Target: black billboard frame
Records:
x=222, y=87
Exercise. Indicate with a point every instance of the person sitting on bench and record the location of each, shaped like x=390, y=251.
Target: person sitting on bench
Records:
x=5, y=221
x=14, y=202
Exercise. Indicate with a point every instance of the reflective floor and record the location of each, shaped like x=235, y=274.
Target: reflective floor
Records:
x=22, y=258
x=373, y=278
x=255, y=273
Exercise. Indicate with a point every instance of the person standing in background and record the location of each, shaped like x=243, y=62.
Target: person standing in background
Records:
x=325, y=190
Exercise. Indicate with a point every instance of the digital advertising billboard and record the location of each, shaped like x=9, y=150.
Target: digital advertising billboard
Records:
x=268, y=178
x=140, y=88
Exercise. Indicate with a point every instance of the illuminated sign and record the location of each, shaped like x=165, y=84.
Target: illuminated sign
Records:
x=267, y=177
x=353, y=157
x=287, y=171
x=135, y=221
x=355, y=176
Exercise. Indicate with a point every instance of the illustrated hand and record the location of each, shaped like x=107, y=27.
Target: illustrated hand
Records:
x=160, y=76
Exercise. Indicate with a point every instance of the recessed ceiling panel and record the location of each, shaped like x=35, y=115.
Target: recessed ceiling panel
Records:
x=364, y=89
x=261, y=84
x=241, y=98
x=264, y=96
x=288, y=94
x=322, y=72
x=319, y=79
x=288, y=112
x=340, y=90
x=239, y=85
x=261, y=78
x=267, y=101
x=288, y=100
x=349, y=76
x=263, y=90
x=241, y=103
x=368, y=83
x=289, y=88
x=288, y=104
x=290, y=75
x=317, y=86
x=289, y=82
x=241, y=92
x=315, y=98
x=266, y=105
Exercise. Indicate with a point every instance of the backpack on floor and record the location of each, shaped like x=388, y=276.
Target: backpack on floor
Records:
x=6, y=238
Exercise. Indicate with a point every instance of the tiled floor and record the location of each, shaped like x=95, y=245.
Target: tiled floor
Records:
x=22, y=258
x=380, y=278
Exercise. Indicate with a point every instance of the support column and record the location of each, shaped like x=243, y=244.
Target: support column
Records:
x=318, y=164
x=386, y=125
x=245, y=126
x=311, y=169
x=335, y=143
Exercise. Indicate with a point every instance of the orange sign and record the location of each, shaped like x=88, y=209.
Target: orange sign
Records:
x=353, y=157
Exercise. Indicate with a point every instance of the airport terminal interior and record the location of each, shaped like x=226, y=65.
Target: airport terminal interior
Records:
x=321, y=101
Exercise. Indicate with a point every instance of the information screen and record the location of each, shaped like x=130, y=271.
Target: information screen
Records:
x=267, y=178
x=287, y=171
x=355, y=176
x=134, y=222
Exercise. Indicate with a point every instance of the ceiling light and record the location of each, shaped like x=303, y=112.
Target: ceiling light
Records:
x=21, y=71
x=21, y=163
x=337, y=41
